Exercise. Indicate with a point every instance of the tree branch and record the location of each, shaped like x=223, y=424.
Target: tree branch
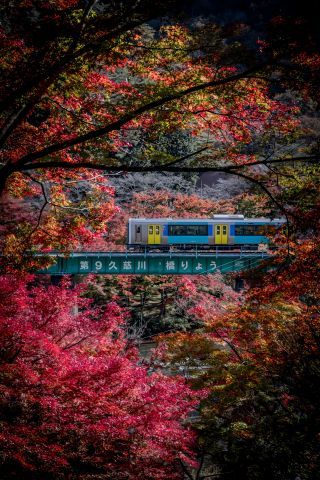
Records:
x=228, y=169
x=33, y=89
x=185, y=470
x=45, y=203
x=185, y=157
x=230, y=344
x=116, y=125
x=160, y=168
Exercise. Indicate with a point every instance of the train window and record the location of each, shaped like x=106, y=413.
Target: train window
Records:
x=191, y=230
x=138, y=229
x=252, y=230
x=151, y=229
x=157, y=229
x=224, y=230
x=247, y=230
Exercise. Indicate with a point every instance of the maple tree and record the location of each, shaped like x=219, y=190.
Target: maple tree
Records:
x=74, y=402
x=260, y=359
x=100, y=88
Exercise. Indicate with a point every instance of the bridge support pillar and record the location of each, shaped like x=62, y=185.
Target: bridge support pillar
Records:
x=238, y=284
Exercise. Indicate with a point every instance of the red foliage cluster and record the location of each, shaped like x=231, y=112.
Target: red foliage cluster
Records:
x=74, y=402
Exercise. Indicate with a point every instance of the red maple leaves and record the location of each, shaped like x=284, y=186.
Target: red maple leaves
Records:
x=72, y=395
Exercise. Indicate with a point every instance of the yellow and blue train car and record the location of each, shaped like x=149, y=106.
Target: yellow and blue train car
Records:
x=225, y=231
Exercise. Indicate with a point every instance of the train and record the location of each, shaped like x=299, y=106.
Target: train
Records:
x=224, y=232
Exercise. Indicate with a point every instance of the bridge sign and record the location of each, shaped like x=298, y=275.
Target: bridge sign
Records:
x=124, y=263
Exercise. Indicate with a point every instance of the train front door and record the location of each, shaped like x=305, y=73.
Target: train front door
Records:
x=221, y=234
x=154, y=235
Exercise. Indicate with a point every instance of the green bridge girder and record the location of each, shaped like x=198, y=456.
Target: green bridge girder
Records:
x=128, y=263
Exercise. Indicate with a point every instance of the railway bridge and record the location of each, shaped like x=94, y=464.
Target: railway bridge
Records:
x=153, y=263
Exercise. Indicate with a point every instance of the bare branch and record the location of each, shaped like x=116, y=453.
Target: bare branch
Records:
x=185, y=157
x=185, y=470
x=230, y=344
x=162, y=168
x=45, y=203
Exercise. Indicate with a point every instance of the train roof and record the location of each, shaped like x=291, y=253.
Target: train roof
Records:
x=223, y=219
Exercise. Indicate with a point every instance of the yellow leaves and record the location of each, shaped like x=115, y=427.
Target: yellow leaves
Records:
x=13, y=246
x=18, y=185
x=58, y=196
x=152, y=154
x=229, y=379
x=241, y=430
x=175, y=33
x=288, y=309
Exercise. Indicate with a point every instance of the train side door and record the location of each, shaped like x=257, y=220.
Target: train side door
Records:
x=221, y=234
x=154, y=237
